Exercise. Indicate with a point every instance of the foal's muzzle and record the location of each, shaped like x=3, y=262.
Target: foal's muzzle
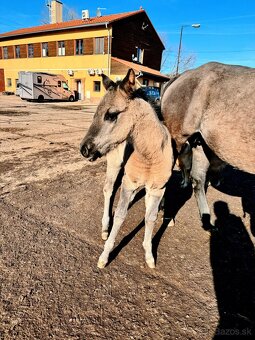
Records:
x=88, y=151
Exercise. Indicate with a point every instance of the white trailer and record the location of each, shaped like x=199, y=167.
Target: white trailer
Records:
x=43, y=86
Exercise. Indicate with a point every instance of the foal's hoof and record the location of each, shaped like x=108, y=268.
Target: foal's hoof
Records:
x=101, y=264
x=105, y=235
x=151, y=264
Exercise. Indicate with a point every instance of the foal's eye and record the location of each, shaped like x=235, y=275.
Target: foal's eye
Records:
x=111, y=117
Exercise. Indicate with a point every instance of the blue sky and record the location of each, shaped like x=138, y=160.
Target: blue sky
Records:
x=227, y=32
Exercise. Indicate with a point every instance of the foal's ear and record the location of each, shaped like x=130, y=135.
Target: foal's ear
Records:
x=128, y=83
x=107, y=82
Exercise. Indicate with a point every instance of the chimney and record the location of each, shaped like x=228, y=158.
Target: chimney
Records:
x=56, y=11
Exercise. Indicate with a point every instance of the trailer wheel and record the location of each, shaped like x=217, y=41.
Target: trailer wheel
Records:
x=71, y=99
x=40, y=98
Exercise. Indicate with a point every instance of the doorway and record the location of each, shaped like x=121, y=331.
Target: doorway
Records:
x=2, y=85
x=78, y=89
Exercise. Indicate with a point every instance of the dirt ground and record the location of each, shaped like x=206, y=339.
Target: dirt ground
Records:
x=51, y=205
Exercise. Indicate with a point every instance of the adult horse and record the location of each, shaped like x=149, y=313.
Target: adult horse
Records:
x=210, y=113
x=217, y=101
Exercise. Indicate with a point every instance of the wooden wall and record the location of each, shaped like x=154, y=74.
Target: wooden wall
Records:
x=127, y=34
x=23, y=51
x=52, y=45
x=37, y=50
x=10, y=52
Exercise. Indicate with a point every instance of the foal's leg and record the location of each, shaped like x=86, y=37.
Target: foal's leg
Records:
x=152, y=201
x=114, y=163
x=200, y=165
x=126, y=195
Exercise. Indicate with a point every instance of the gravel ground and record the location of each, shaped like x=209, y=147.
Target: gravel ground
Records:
x=51, y=205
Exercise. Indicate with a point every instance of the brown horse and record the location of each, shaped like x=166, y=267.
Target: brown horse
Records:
x=214, y=104
x=121, y=115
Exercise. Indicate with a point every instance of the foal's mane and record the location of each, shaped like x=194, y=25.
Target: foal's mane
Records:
x=138, y=93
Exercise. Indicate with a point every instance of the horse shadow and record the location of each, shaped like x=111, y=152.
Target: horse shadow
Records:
x=232, y=259
x=174, y=198
x=235, y=182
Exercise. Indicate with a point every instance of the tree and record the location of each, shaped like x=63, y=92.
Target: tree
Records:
x=169, y=62
x=169, y=59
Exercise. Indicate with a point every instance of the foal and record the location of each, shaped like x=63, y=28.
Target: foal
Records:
x=119, y=116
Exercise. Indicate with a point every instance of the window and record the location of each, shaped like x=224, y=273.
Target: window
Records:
x=64, y=85
x=30, y=50
x=17, y=51
x=139, y=55
x=99, y=45
x=97, y=86
x=39, y=79
x=9, y=82
x=145, y=82
x=5, y=52
x=45, y=49
x=61, y=48
x=79, y=47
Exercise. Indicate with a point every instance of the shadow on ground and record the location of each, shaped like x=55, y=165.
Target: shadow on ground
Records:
x=238, y=183
x=233, y=265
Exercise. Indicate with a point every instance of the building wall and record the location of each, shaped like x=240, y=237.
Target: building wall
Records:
x=129, y=34
x=119, y=71
x=78, y=64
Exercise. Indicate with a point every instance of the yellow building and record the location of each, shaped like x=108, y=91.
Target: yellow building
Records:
x=81, y=50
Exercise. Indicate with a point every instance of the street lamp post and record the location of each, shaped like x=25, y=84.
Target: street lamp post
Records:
x=180, y=44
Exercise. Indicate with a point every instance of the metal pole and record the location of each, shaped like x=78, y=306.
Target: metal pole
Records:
x=179, y=52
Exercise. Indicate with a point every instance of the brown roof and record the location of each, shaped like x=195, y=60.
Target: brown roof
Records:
x=95, y=21
x=141, y=68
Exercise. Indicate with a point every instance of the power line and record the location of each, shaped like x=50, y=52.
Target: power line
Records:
x=236, y=51
x=212, y=51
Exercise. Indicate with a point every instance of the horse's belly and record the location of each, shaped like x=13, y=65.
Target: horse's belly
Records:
x=148, y=175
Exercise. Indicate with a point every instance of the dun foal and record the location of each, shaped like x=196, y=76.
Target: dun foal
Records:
x=119, y=116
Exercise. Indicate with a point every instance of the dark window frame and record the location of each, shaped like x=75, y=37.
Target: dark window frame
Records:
x=45, y=47
x=17, y=51
x=5, y=52
x=99, y=45
x=61, y=48
x=79, y=47
x=30, y=50
x=140, y=55
x=97, y=86
x=9, y=82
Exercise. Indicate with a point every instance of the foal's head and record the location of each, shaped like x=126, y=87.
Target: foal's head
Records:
x=114, y=118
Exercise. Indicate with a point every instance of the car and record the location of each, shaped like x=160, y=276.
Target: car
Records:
x=152, y=94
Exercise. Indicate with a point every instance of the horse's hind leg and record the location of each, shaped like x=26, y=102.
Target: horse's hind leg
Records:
x=185, y=163
x=152, y=201
x=200, y=165
x=114, y=164
x=126, y=195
